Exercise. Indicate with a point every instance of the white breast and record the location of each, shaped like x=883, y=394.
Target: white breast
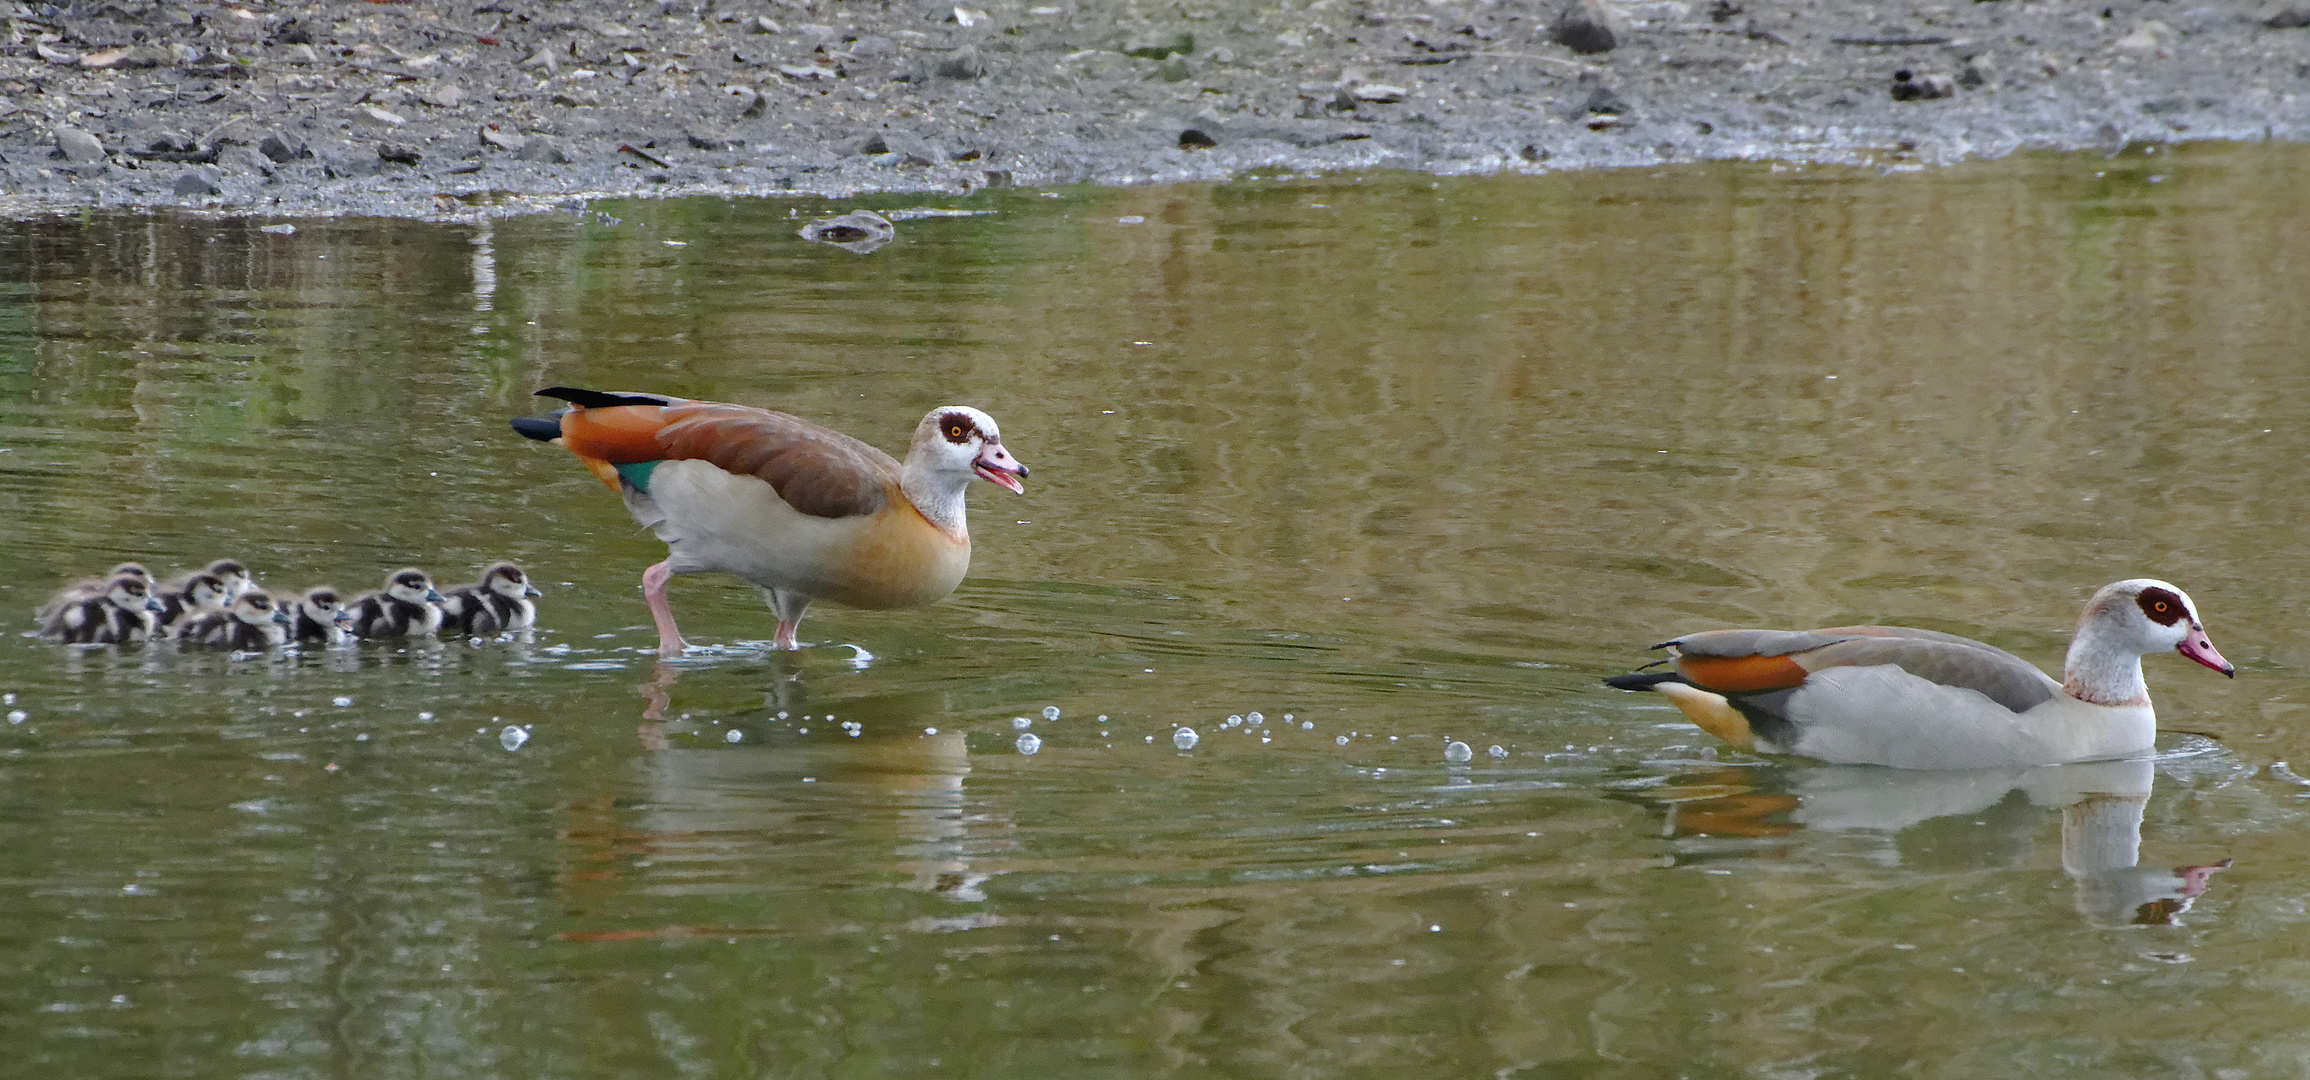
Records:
x=716, y=522
x=1883, y=715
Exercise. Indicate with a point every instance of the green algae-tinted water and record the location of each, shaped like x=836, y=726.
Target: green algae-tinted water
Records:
x=1383, y=459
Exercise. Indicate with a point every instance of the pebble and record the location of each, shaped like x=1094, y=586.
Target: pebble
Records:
x=78, y=147
x=197, y=183
x=1587, y=27
x=1911, y=86
x=496, y=139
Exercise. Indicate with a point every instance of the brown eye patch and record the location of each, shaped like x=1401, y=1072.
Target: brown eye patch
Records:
x=957, y=428
x=2162, y=607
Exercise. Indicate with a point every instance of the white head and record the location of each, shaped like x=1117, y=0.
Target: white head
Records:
x=2125, y=621
x=961, y=442
x=410, y=586
x=507, y=580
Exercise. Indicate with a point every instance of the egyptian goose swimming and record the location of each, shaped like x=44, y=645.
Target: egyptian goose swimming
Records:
x=408, y=604
x=254, y=620
x=121, y=612
x=499, y=602
x=89, y=588
x=1917, y=699
x=798, y=511
x=319, y=616
x=187, y=600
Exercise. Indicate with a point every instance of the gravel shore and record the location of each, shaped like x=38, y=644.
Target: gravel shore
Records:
x=442, y=110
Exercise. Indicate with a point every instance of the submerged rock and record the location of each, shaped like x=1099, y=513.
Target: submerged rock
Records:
x=859, y=231
x=1588, y=27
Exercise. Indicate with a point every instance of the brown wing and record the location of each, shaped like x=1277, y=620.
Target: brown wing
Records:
x=817, y=471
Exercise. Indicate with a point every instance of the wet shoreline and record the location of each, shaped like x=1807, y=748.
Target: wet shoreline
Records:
x=437, y=110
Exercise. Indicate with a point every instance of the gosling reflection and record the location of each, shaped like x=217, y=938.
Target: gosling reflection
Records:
x=1953, y=820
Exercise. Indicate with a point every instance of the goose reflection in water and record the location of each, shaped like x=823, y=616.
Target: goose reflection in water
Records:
x=1956, y=819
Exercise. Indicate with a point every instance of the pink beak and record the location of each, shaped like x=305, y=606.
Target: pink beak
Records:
x=2197, y=646
x=996, y=466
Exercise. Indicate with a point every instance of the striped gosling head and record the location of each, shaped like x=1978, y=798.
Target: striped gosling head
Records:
x=411, y=586
x=508, y=580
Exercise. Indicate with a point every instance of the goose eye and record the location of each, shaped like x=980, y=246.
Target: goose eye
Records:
x=956, y=432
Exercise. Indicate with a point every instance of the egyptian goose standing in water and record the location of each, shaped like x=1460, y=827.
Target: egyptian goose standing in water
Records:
x=1917, y=699
x=798, y=511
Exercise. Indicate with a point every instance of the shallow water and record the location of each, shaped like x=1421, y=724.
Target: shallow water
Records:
x=1382, y=458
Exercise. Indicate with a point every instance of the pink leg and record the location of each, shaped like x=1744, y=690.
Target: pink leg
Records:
x=654, y=581
x=784, y=639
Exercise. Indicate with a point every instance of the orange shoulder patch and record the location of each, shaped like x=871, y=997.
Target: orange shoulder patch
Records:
x=620, y=434
x=1741, y=674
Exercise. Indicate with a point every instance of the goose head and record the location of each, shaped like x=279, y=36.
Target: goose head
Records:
x=256, y=608
x=323, y=604
x=2125, y=621
x=206, y=592
x=411, y=586
x=508, y=580
x=956, y=444
x=131, y=593
x=234, y=576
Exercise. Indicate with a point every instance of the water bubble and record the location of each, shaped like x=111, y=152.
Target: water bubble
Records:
x=1305, y=725
x=1028, y=743
x=781, y=714
x=930, y=731
x=1050, y=712
x=1287, y=718
x=734, y=735
x=342, y=702
x=1185, y=738
x=1102, y=718
x=512, y=738
x=1708, y=753
x=1457, y=752
x=1254, y=719
x=1232, y=721
x=1342, y=740
x=8, y=698
x=426, y=716
x=1021, y=723
x=1498, y=751
x=18, y=716
x=362, y=737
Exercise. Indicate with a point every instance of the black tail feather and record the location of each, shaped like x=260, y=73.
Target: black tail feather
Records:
x=541, y=428
x=1644, y=682
x=597, y=399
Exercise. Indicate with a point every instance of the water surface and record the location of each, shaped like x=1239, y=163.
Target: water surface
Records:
x=1383, y=459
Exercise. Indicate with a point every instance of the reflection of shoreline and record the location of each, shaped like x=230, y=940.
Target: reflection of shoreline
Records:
x=1967, y=817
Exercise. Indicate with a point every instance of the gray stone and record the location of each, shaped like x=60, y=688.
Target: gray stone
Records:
x=442, y=96
x=1912, y=86
x=1173, y=69
x=78, y=147
x=283, y=147
x=497, y=139
x=350, y=164
x=543, y=152
x=701, y=137
x=2293, y=15
x=242, y=160
x=398, y=153
x=1157, y=46
x=963, y=63
x=1587, y=26
x=198, y=183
